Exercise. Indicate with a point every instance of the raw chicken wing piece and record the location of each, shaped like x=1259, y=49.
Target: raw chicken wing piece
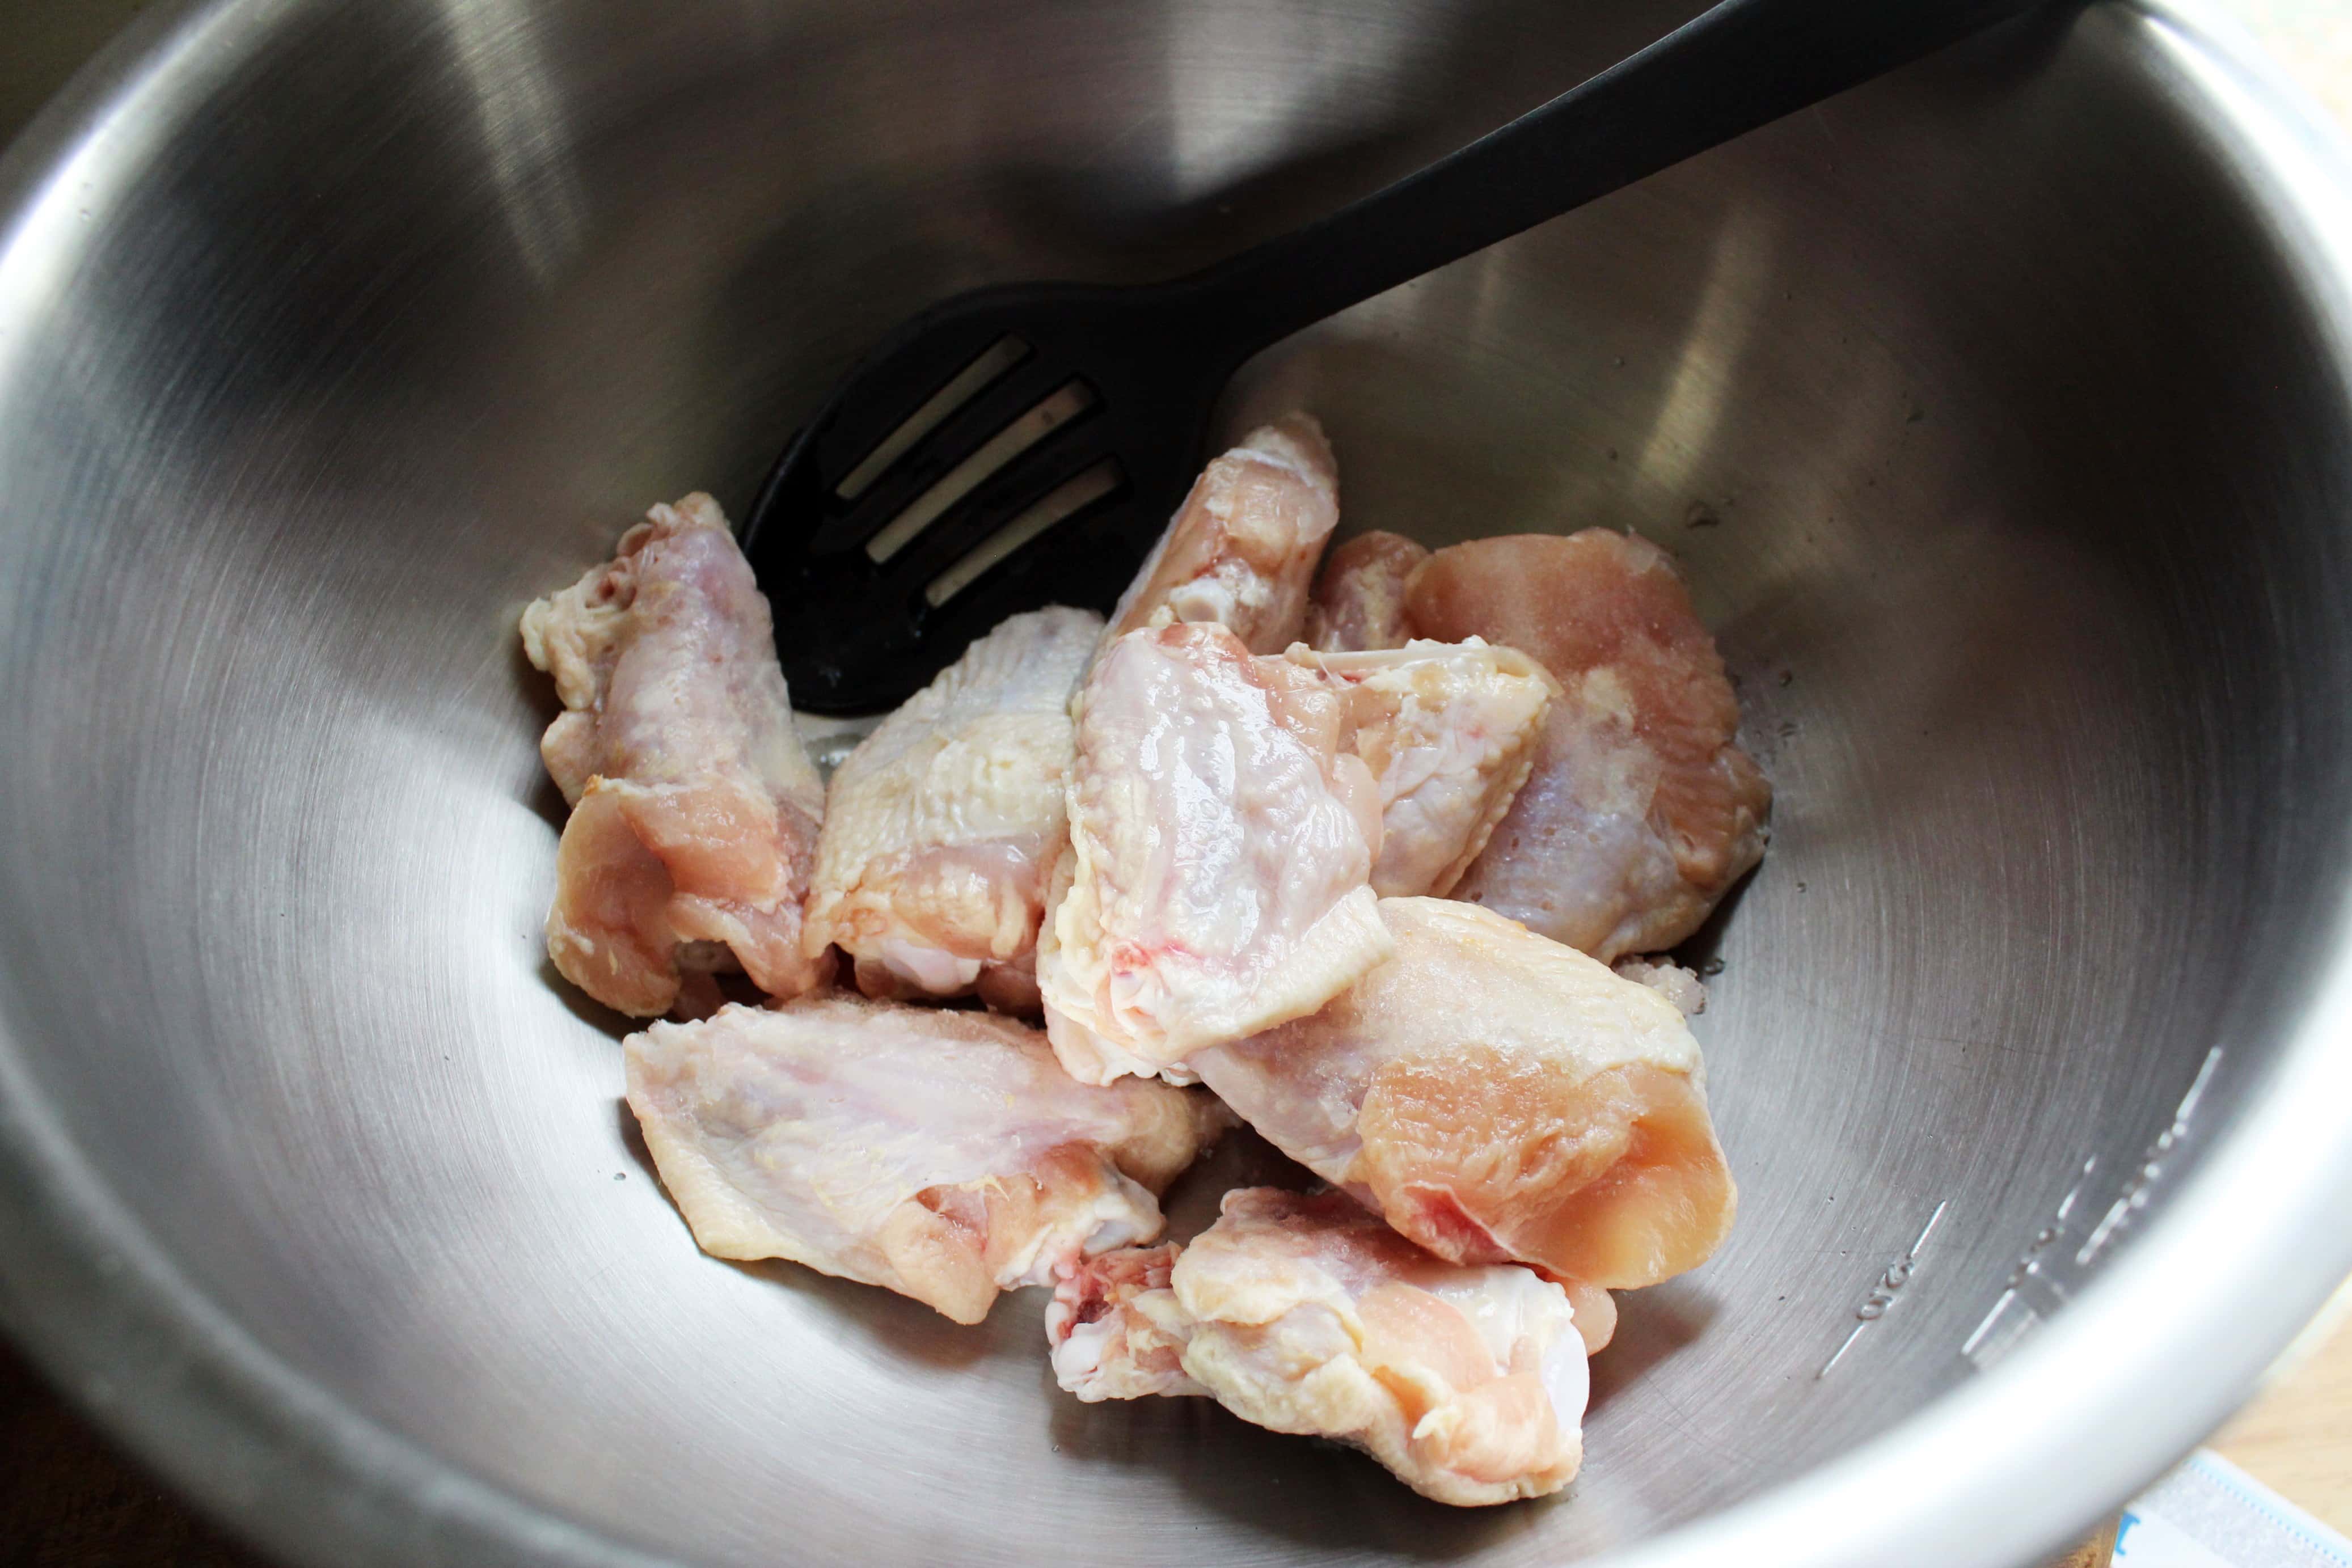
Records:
x=1641, y=810
x=1497, y=1097
x=1215, y=882
x=1359, y=601
x=695, y=808
x=941, y=827
x=1307, y=1314
x=1241, y=551
x=942, y=1154
x=1449, y=731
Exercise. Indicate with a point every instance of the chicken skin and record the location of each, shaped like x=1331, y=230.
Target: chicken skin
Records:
x=1359, y=601
x=1497, y=1097
x=942, y=1154
x=1241, y=551
x=1450, y=732
x=1216, y=879
x=1307, y=1314
x=1641, y=810
x=941, y=827
x=695, y=808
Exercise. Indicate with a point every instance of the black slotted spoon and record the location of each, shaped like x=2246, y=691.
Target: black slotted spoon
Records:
x=1024, y=445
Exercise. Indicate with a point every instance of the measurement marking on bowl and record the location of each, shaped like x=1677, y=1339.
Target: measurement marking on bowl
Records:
x=2031, y=1294
x=2047, y=1275
x=2134, y=1196
x=1890, y=1285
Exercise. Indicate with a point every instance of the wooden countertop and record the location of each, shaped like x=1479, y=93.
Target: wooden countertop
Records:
x=2295, y=1437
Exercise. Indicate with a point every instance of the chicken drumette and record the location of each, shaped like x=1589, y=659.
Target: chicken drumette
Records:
x=695, y=808
x=1307, y=1314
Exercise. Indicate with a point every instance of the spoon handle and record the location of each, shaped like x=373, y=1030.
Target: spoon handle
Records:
x=1738, y=65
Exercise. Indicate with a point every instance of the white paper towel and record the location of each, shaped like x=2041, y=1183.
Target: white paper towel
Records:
x=2208, y=1513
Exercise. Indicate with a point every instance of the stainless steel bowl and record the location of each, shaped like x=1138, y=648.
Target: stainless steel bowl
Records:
x=2002, y=412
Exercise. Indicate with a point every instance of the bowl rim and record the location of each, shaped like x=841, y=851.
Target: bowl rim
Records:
x=2106, y=1395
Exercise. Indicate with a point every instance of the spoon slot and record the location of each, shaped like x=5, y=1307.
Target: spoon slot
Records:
x=1072, y=497
x=1073, y=399
x=968, y=383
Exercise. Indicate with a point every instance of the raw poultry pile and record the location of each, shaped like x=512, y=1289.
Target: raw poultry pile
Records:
x=1346, y=857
